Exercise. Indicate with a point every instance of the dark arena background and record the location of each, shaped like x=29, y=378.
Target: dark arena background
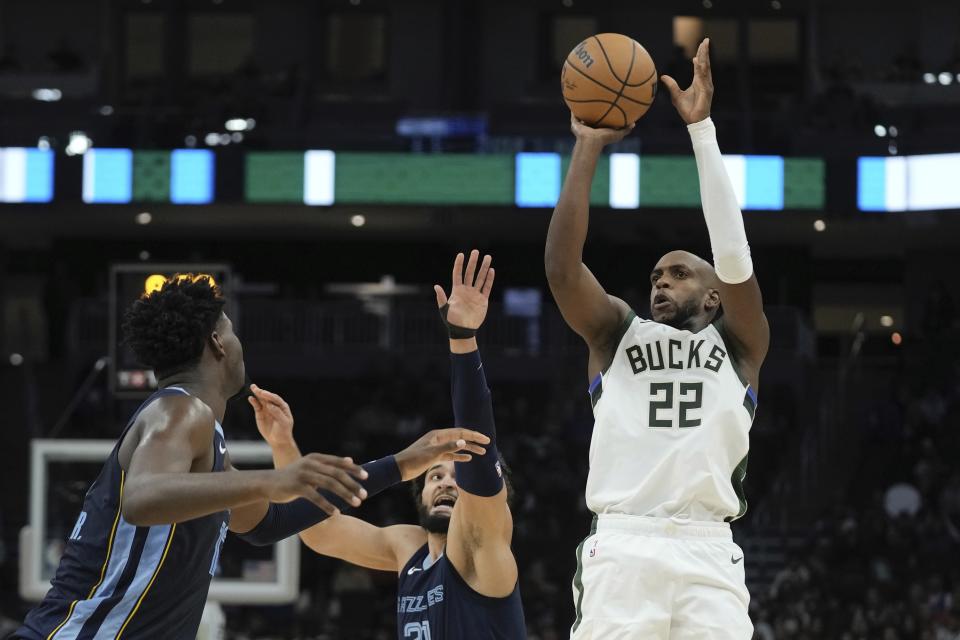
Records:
x=325, y=160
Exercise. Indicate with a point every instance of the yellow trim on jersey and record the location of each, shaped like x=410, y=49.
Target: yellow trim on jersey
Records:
x=106, y=560
x=156, y=572
x=60, y=626
x=113, y=533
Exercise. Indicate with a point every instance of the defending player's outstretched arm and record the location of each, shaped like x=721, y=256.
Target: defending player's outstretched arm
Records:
x=348, y=538
x=585, y=306
x=481, y=527
x=175, y=437
x=743, y=317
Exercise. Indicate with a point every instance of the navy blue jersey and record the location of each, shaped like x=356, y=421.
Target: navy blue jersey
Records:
x=117, y=580
x=434, y=603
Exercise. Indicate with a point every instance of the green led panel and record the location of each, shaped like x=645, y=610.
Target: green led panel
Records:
x=274, y=176
x=400, y=178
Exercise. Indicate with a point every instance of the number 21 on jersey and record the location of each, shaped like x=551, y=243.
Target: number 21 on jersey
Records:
x=417, y=630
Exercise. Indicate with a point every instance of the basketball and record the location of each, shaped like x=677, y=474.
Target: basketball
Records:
x=609, y=80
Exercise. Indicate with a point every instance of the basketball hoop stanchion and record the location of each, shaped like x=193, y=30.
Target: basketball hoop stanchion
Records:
x=78, y=396
x=34, y=577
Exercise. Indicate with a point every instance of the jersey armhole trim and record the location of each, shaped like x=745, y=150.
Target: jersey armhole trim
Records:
x=156, y=395
x=733, y=355
x=617, y=337
x=596, y=385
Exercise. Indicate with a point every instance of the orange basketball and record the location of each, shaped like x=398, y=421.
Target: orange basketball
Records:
x=609, y=80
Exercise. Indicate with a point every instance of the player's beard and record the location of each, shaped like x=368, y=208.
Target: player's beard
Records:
x=684, y=313
x=433, y=523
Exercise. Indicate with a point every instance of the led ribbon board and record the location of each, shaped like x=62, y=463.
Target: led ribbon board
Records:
x=909, y=183
x=181, y=176
x=26, y=175
x=622, y=180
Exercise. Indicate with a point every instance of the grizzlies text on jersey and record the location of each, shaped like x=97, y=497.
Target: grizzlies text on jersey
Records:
x=434, y=603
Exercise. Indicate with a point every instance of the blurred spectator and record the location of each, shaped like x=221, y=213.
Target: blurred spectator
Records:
x=886, y=570
x=939, y=310
x=906, y=65
x=65, y=58
x=9, y=60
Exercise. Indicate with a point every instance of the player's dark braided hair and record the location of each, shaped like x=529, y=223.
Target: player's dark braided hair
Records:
x=167, y=327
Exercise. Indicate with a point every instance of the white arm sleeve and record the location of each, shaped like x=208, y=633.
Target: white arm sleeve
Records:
x=728, y=239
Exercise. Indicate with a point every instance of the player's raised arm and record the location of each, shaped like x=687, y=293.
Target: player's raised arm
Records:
x=585, y=305
x=743, y=317
x=348, y=538
x=481, y=527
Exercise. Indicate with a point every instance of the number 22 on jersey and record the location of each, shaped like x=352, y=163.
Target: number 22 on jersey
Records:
x=675, y=404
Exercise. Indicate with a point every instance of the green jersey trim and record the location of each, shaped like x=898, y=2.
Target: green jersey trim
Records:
x=596, y=386
x=739, y=474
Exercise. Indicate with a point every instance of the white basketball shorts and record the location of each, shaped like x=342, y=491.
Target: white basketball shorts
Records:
x=641, y=578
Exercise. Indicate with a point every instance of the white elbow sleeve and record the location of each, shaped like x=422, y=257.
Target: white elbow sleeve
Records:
x=728, y=238
x=733, y=268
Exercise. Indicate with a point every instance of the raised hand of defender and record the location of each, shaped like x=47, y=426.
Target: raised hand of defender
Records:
x=310, y=473
x=598, y=135
x=693, y=104
x=469, y=293
x=274, y=419
x=440, y=445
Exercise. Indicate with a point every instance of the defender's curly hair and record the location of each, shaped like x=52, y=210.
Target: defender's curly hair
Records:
x=167, y=328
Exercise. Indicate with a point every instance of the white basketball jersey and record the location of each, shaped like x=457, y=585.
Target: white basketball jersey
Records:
x=672, y=423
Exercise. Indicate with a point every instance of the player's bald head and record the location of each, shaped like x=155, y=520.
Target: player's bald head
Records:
x=692, y=261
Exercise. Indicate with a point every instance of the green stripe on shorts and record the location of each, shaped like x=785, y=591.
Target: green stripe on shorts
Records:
x=578, y=577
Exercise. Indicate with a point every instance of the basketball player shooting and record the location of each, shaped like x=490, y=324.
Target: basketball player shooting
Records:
x=673, y=400
x=457, y=576
x=140, y=558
